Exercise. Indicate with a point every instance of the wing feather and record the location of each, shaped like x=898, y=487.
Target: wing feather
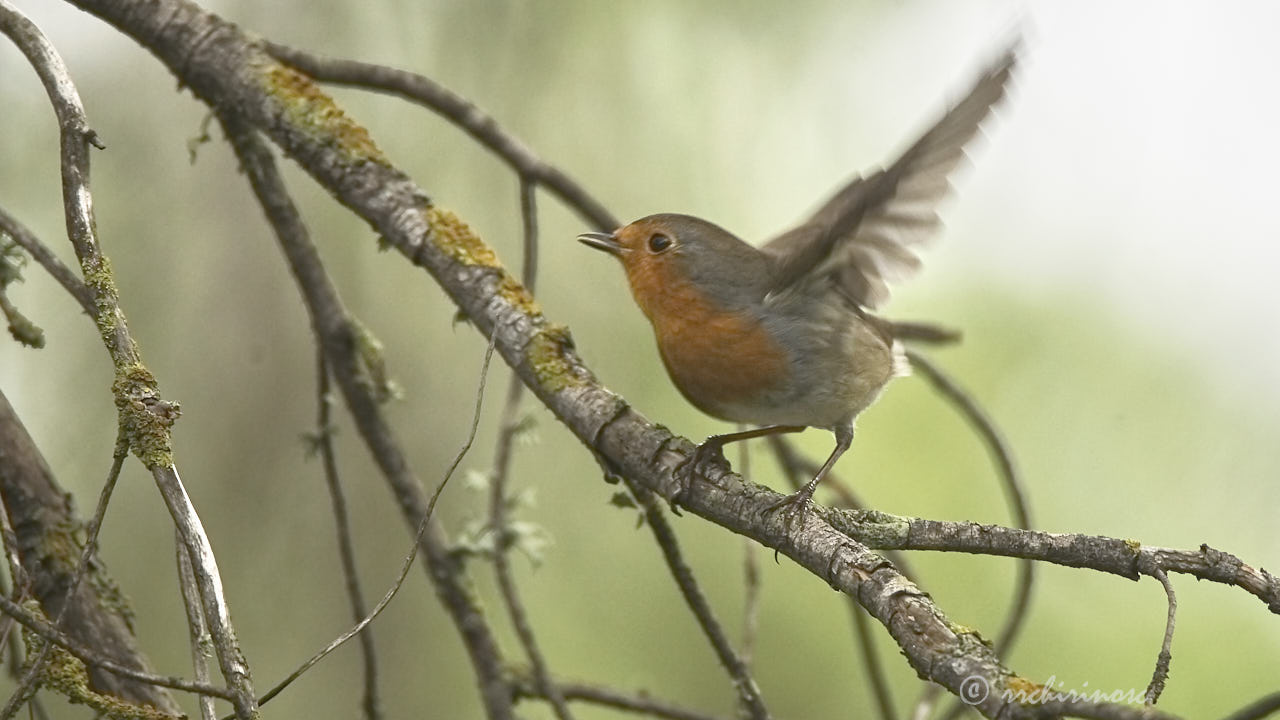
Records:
x=867, y=234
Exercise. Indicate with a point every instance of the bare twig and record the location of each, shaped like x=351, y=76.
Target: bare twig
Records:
x=409, y=557
x=200, y=640
x=640, y=703
x=346, y=546
x=46, y=631
x=748, y=691
x=461, y=112
x=1161, y=673
x=10, y=226
x=498, y=483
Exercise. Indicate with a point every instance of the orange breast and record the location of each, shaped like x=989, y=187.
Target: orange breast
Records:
x=715, y=357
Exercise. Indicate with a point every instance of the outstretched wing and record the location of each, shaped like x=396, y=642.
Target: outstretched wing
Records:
x=866, y=235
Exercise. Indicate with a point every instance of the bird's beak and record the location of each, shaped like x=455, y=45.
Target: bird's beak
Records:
x=602, y=241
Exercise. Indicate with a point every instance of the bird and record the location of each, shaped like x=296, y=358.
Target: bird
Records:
x=784, y=336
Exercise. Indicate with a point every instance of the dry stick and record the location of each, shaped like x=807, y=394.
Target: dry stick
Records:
x=1011, y=480
x=640, y=703
x=748, y=690
x=498, y=482
x=413, y=550
x=346, y=546
x=1161, y=673
x=334, y=328
x=201, y=642
x=30, y=681
x=461, y=112
x=137, y=396
x=1261, y=708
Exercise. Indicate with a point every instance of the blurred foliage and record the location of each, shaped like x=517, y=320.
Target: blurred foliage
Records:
x=743, y=112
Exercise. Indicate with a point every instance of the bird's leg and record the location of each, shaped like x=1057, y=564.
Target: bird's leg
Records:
x=711, y=452
x=798, y=502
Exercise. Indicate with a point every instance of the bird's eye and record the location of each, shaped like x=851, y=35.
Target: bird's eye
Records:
x=659, y=242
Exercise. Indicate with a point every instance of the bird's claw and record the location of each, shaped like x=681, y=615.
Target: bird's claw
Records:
x=704, y=457
x=795, y=506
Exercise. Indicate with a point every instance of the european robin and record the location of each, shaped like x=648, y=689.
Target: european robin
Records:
x=782, y=336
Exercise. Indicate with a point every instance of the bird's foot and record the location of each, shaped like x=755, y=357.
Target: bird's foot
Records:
x=708, y=455
x=795, y=506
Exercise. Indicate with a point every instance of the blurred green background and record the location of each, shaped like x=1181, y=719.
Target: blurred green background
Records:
x=1111, y=259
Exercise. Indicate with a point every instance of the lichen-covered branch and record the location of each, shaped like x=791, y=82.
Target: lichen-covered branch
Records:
x=145, y=418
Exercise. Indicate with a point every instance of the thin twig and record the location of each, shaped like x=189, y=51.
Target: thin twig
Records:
x=1161, y=673
x=35, y=667
x=458, y=110
x=46, y=631
x=10, y=226
x=748, y=691
x=410, y=556
x=342, y=524
x=200, y=640
x=498, y=483
x=640, y=703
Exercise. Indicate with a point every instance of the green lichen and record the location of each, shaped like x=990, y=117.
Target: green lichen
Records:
x=518, y=295
x=546, y=354
x=373, y=365
x=1134, y=546
x=145, y=419
x=459, y=241
x=309, y=110
x=100, y=279
x=1023, y=690
x=65, y=674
